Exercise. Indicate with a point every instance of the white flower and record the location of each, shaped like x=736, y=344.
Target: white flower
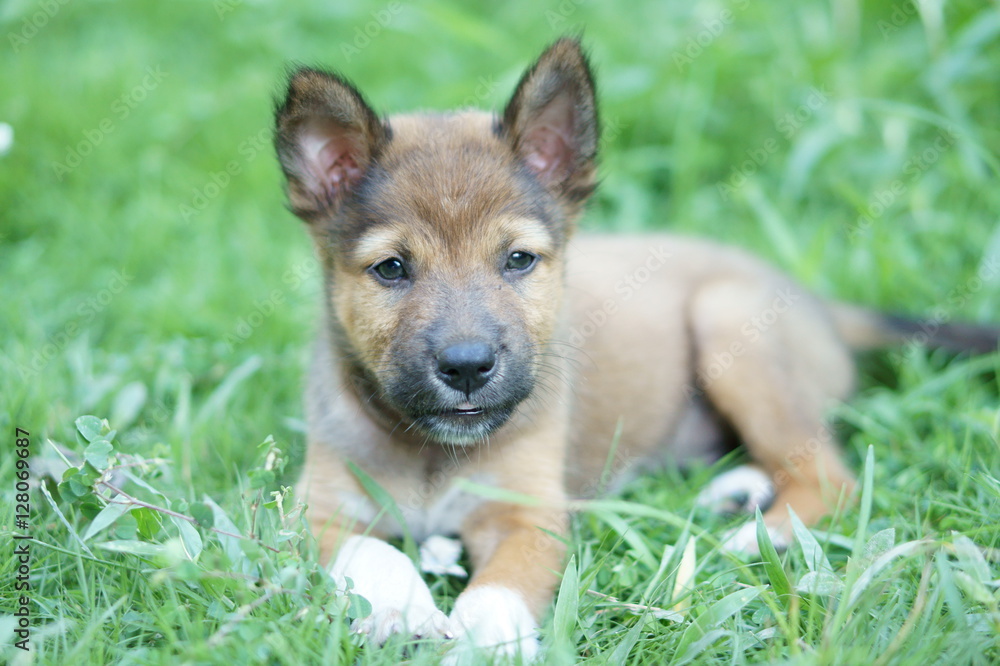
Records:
x=439, y=555
x=6, y=138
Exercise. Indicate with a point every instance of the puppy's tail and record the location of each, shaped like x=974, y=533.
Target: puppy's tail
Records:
x=863, y=329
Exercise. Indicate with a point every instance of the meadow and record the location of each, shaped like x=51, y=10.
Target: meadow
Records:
x=159, y=302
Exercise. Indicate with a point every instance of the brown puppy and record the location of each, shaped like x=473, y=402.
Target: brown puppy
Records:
x=468, y=335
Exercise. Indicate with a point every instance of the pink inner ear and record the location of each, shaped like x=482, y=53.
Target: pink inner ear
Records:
x=547, y=145
x=332, y=157
x=337, y=164
x=547, y=152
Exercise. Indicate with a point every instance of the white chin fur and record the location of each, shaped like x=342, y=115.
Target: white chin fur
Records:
x=458, y=435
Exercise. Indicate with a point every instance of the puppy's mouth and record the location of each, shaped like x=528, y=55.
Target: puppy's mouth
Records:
x=432, y=411
x=465, y=424
x=465, y=409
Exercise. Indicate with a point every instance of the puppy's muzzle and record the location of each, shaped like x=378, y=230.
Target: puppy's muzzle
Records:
x=466, y=366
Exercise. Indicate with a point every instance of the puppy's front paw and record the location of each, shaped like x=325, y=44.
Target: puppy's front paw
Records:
x=401, y=602
x=416, y=621
x=494, y=620
x=743, y=540
x=743, y=488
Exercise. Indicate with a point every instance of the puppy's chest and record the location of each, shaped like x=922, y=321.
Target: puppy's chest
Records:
x=435, y=503
x=444, y=512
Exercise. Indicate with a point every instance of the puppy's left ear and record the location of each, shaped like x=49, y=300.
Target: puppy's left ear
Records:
x=551, y=121
x=327, y=137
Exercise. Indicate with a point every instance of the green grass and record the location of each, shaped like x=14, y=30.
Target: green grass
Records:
x=138, y=289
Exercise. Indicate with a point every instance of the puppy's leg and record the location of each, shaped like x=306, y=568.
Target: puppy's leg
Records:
x=770, y=362
x=515, y=564
x=401, y=601
x=516, y=549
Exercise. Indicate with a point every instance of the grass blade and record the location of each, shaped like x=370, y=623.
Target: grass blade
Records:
x=868, y=576
x=385, y=500
x=230, y=544
x=220, y=397
x=867, y=487
x=844, y=606
x=813, y=553
x=621, y=652
x=635, y=540
x=567, y=604
x=714, y=615
x=189, y=537
x=109, y=514
x=772, y=563
x=684, y=582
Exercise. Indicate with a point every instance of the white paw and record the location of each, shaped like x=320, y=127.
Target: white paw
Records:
x=743, y=540
x=415, y=622
x=493, y=619
x=401, y=602
x=743, y=488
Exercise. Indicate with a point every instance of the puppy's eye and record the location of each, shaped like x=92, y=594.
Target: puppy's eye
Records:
x=520, y=261
x=390, y=270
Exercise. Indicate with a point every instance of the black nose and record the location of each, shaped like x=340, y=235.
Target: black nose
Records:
x=466, y=366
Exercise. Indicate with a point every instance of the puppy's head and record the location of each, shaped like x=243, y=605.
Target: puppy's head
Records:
x=442, y=237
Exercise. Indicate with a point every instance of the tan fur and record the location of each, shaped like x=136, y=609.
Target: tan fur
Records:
x=660, y=339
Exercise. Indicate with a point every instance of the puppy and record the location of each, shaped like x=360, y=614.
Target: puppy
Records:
x=468, y=335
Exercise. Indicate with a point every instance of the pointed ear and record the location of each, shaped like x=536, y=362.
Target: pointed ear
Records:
x=551, y=121
x=326, y=136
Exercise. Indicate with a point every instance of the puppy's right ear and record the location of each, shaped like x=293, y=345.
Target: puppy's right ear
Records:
x=551, y=121
x=326, y=136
